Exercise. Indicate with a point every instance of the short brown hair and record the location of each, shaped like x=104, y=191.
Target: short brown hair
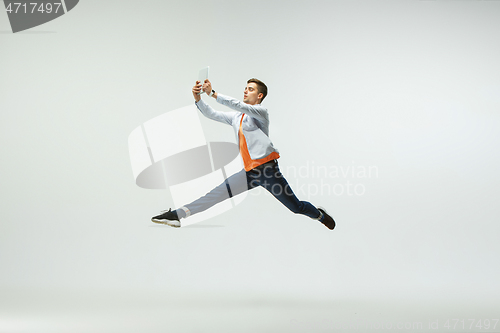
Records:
x=261, y=87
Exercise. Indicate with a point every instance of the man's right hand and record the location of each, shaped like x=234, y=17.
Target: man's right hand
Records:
x=196, y=91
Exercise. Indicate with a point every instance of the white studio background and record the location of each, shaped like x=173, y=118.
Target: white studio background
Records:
x=409, y=90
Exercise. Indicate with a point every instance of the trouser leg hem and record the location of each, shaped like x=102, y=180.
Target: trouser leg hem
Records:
x=186, y=210
x=320, y=217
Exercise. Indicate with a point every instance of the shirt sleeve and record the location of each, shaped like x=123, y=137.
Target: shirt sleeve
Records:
x=209, y=112
x=256, y=111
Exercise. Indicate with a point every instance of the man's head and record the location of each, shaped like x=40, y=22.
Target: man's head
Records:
x=255, y=92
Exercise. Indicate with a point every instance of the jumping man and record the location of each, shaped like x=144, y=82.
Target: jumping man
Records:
x=250, y=121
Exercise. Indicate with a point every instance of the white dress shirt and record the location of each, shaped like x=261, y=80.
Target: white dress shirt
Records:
x=255, y=125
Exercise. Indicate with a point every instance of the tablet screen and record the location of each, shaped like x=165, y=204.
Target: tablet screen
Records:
x=203, y=75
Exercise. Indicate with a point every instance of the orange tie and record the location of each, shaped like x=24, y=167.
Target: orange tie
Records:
x=248, y=163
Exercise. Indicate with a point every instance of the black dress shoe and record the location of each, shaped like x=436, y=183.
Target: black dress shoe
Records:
x=327, y=219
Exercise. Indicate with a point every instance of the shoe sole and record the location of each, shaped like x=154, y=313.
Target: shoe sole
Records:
x=166, y=222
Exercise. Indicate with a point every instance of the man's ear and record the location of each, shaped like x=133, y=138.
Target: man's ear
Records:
x=260, y=95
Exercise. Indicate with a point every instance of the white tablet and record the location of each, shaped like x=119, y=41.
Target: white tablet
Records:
x=203, y=76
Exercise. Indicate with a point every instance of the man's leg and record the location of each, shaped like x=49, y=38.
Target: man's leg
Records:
x=270, y=177
x=232, y=186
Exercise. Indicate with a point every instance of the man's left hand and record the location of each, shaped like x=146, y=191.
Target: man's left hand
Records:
x=207, y=87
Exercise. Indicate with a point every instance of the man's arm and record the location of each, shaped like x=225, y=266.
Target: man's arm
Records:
x=257, y=111
x=207, y=111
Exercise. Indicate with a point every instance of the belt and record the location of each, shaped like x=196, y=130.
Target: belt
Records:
x=267, y=163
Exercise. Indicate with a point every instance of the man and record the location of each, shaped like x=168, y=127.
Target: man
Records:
x=250, y=120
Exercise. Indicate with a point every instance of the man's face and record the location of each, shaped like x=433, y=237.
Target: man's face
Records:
x=251, y=95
